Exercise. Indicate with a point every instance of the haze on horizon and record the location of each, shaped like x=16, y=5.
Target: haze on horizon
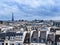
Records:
x=30, y=9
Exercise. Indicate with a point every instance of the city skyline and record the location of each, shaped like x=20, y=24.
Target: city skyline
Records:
x=30, y=9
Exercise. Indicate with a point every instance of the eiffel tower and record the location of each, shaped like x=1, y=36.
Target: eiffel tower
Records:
x=12, y=17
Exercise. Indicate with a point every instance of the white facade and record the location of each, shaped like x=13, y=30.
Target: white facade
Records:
x=13, y=43
x=37, y=44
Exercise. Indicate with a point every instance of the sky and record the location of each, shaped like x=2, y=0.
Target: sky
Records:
x=30, y=9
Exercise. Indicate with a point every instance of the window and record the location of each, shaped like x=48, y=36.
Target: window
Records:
x=18, y=43
x=19, y=38
x=6, y=43
x=7, y=37
x=2, y=43
x=34, y=39
x=11, y=44
x=11, y=38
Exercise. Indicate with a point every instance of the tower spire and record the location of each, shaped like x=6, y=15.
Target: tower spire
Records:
x=12, y=17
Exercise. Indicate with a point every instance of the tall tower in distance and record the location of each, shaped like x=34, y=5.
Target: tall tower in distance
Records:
x=12, y=17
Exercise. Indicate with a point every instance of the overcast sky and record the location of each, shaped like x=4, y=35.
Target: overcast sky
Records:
x=30, y=9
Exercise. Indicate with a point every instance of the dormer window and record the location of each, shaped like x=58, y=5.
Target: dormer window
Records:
x=7, y=38
x=11, y=38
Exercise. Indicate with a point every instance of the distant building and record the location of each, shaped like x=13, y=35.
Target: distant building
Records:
x=57, y=37
x=57, y=23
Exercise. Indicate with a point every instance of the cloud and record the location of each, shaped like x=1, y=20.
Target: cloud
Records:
x=30, y=9
x=39, y=7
